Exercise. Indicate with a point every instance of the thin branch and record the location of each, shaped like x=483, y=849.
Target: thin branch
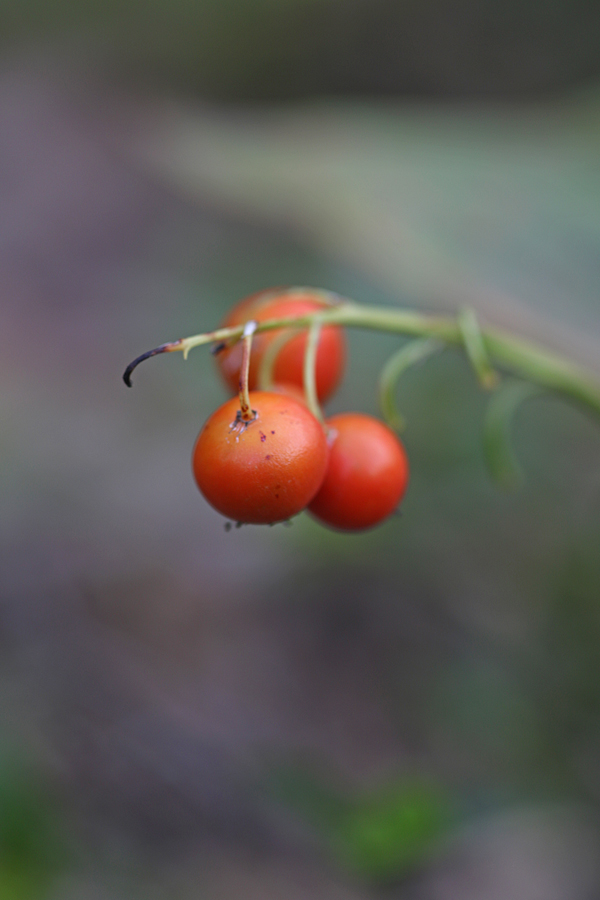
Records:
x=506, y=351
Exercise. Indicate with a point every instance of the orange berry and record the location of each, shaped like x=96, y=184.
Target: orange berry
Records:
x=263, y=471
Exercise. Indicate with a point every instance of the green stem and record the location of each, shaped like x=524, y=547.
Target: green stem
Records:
x=476, y=350
x=412, y=353
x=267, y=364
x=310, y=369
x=509, y=352
x=499, y=454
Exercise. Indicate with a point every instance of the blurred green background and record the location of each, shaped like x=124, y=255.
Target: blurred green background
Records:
x=413, y=712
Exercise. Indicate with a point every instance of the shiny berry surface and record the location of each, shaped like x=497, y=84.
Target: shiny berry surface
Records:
x=367, y=473
x=263, y=471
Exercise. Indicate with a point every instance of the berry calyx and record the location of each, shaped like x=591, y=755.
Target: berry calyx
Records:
x=289, y=362
x=367, y=473
x=264, y=470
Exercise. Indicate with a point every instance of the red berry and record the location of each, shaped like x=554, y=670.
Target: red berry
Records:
x=290, y=390
x=367, y=473
x=263, y=471
x=289, y=365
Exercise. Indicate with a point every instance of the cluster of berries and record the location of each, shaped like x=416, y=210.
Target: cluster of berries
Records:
x=267, y=462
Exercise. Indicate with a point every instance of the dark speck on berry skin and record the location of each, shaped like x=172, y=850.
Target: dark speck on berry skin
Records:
x=272, y=432
x=263, y=436
x=268, y=456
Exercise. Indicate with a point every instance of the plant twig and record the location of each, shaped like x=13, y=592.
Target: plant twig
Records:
x=508, y=352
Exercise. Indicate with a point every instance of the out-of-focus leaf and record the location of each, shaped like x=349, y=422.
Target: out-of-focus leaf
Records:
x=386, y=834
x=379, y=835
x=30, y=852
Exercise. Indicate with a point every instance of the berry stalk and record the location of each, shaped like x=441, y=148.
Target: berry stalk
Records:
x=247, y=414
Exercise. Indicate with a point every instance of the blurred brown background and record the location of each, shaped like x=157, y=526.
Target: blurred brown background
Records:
x=412, y=712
